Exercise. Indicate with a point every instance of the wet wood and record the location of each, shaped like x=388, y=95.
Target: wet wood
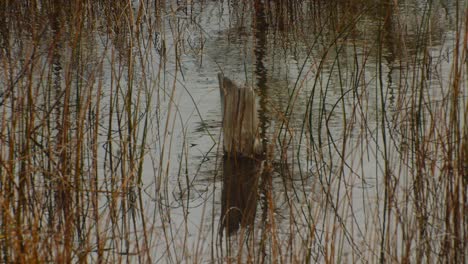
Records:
x=240, y=121
x=242, y=162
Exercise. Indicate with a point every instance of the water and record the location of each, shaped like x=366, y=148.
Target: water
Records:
x=342, y=89
x=338, y=72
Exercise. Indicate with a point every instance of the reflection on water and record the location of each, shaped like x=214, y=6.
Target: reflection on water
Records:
x=110, y=135
x=239, y=192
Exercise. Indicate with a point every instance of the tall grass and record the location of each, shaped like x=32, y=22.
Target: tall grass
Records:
x=363, y=118
x=76, y=107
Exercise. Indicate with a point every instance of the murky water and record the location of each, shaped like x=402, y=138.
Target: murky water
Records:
x=340, y=87
x=312, y=85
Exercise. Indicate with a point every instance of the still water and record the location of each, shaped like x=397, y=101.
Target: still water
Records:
x=321, y=83
x=339, y=88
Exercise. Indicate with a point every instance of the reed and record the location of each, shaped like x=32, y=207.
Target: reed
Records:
x=354, y=118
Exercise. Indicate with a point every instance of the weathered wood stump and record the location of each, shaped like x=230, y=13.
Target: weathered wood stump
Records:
x=242, y=151
x=240, y=121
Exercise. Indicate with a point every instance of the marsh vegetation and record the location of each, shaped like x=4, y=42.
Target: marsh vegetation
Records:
x=111, y=131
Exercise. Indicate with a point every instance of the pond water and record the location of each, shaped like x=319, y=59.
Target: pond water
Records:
x=357, y=119
x=321, y=84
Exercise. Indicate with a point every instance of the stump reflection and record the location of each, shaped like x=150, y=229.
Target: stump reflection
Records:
x=239, y=195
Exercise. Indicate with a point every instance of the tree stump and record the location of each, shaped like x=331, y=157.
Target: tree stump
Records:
x=240, y=121
x=242, y=162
